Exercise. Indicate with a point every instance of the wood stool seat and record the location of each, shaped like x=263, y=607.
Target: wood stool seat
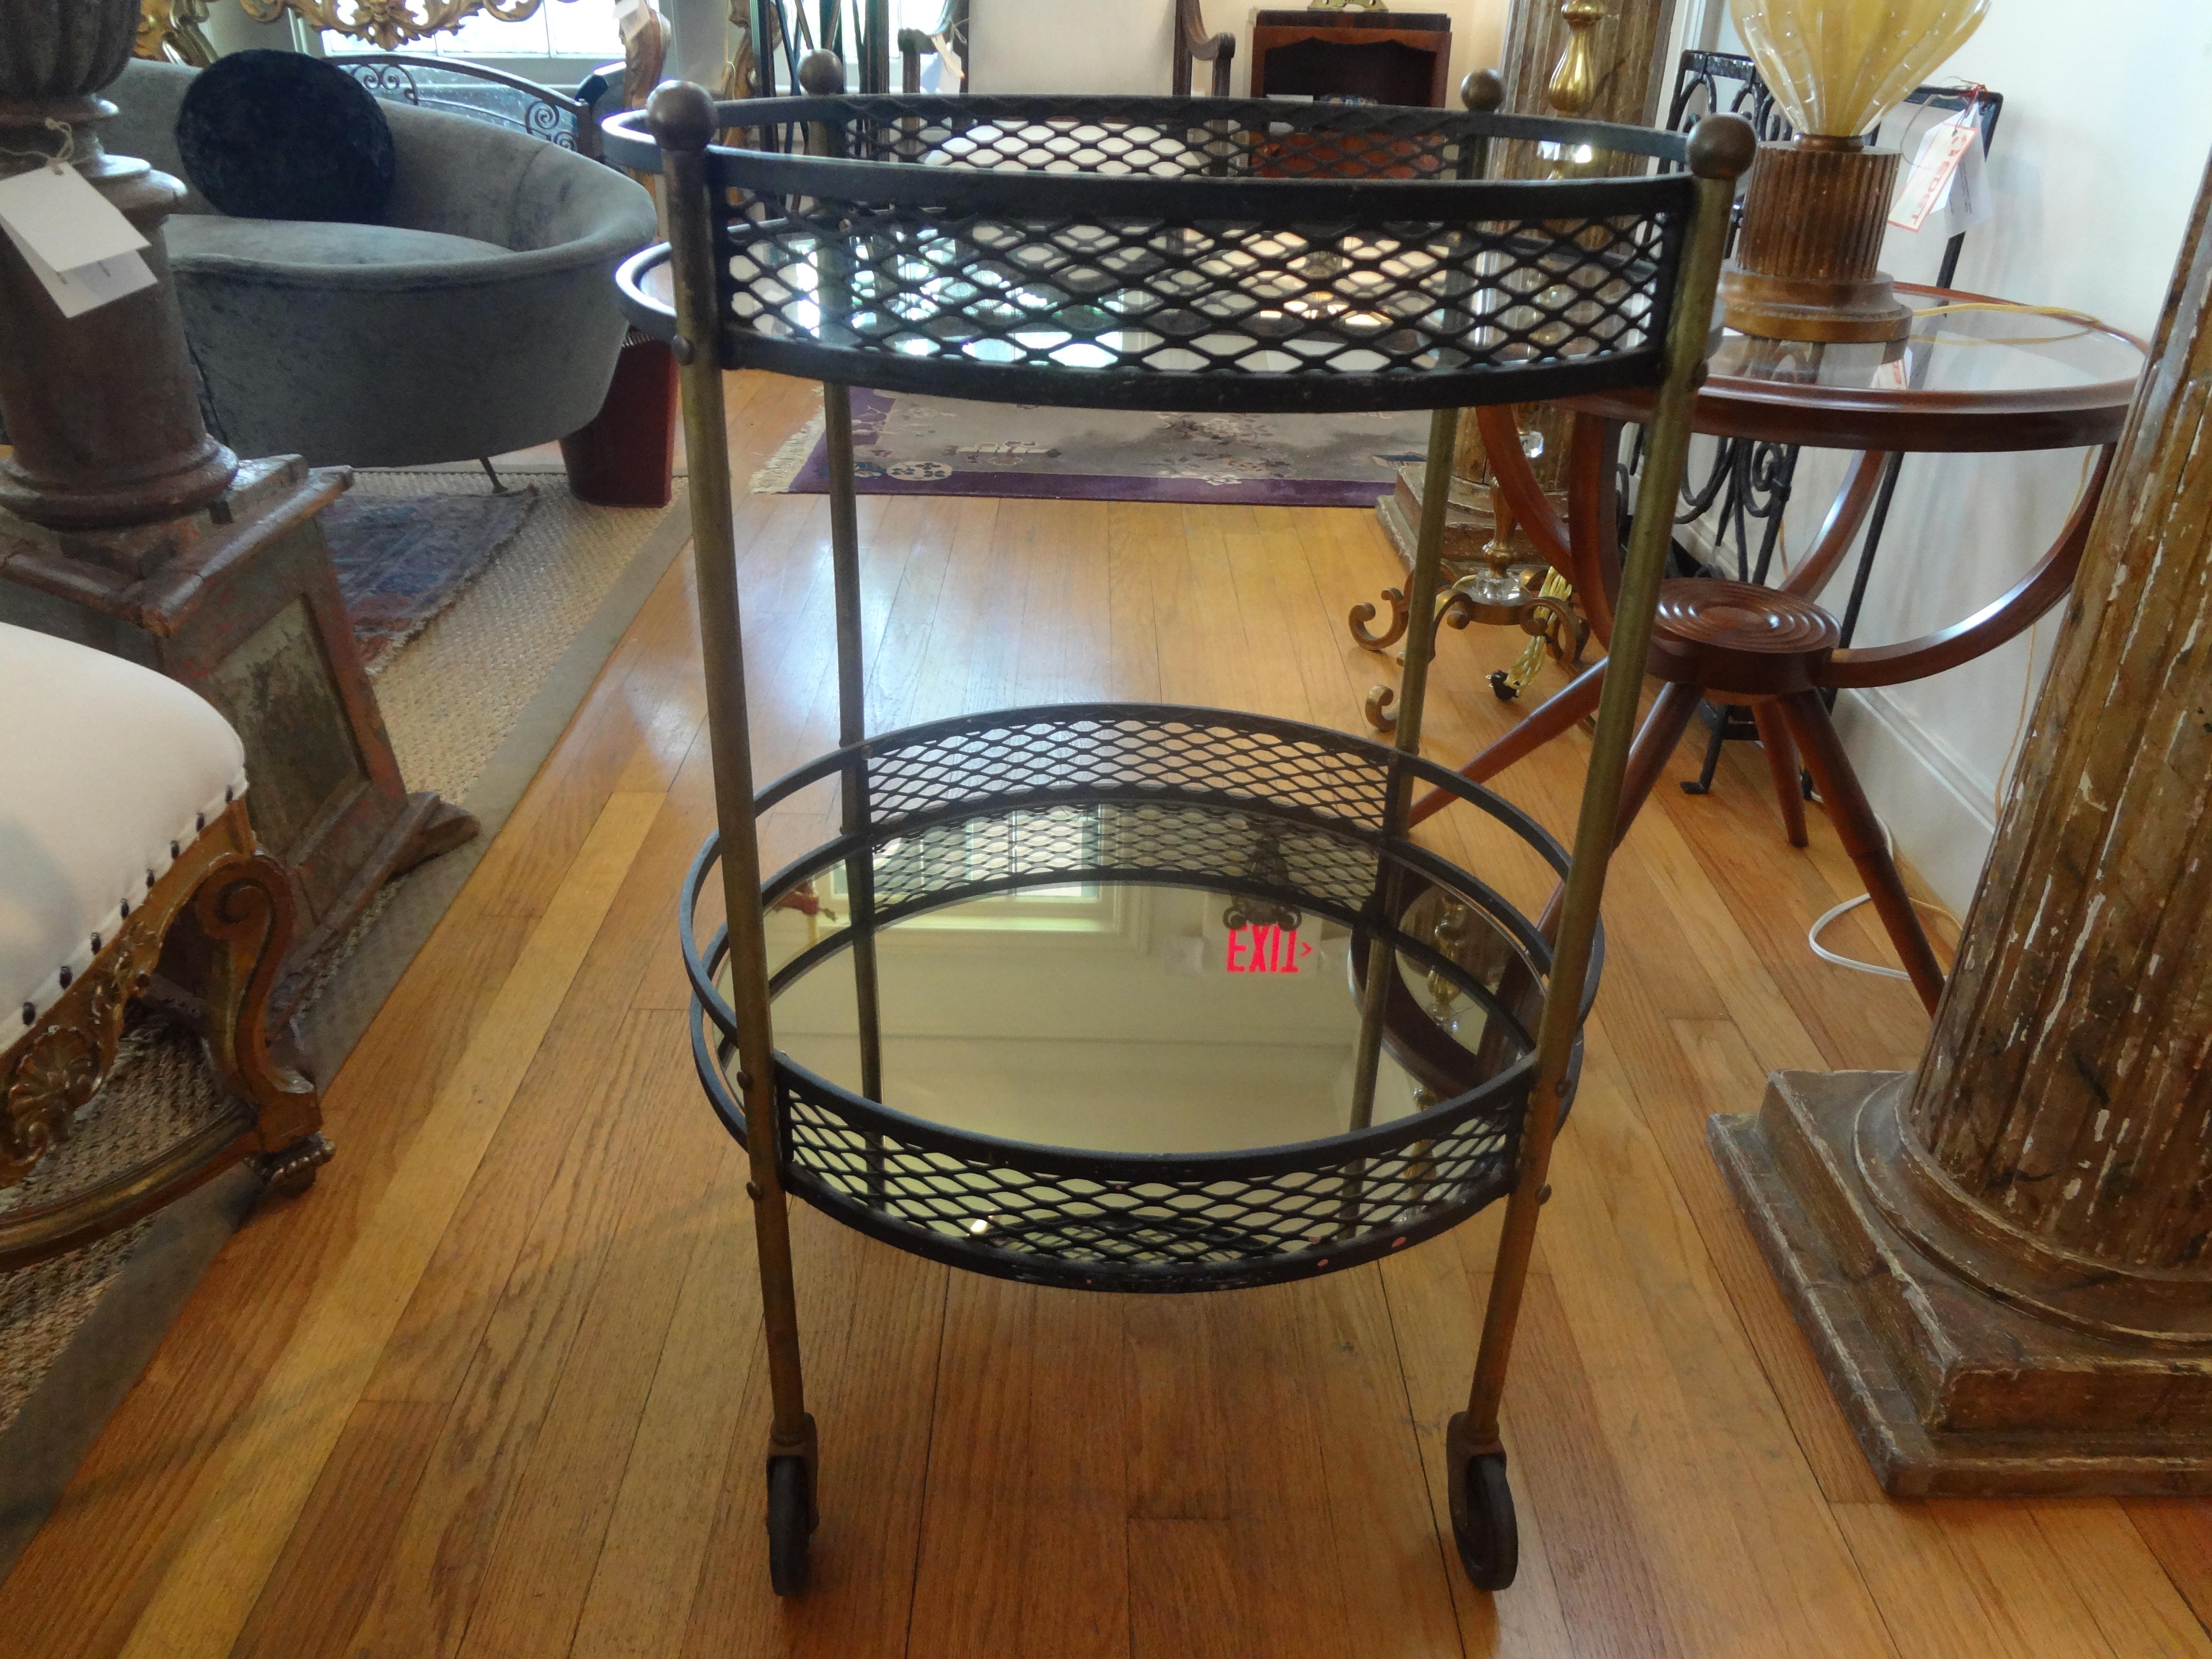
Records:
x=1740, y=639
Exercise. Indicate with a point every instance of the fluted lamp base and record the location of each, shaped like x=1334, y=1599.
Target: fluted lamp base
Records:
x=1805, y=264
x=1951, y=1387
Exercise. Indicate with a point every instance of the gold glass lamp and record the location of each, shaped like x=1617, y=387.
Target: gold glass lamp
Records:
x=1805, y=264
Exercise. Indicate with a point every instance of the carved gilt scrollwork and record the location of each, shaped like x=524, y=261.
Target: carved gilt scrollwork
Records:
x=391, y=23
x=59, y=1064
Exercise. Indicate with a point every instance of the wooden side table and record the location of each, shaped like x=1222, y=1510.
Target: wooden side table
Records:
x=1975, y=378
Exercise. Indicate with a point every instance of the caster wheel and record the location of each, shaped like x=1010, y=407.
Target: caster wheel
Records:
x=1483, y=1525
x=790, y=1526
x=1502, y=689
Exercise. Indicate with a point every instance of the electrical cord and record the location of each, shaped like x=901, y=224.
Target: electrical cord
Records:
x=1813, y=933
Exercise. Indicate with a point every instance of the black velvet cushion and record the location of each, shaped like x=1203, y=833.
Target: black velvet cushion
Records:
x=278, y=134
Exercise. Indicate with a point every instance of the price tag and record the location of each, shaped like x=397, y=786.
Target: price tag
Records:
x=76, y=241
x=1927, y=183
x=1969, y=201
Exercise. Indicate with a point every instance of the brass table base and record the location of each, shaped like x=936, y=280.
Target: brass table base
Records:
x=1951, y=1392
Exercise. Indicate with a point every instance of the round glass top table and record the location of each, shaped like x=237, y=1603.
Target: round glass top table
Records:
x=1976, y=375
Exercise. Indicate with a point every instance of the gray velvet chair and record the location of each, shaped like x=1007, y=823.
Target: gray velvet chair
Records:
x=479, y=318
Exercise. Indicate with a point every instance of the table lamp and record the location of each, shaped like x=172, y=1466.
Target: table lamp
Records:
x=1813, y=217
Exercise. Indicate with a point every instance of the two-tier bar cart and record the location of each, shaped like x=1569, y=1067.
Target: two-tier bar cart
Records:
x=1191, y=255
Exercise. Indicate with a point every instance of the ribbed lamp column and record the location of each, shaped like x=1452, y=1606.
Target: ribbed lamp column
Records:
x=1806, y=263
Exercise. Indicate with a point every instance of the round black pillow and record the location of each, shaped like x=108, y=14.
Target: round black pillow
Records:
x=279, y=135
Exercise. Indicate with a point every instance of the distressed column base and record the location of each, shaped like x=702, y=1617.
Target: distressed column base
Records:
x=1950, y=1391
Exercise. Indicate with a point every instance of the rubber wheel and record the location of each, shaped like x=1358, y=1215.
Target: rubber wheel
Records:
x=790, y=1526
x=1482, y=1522
x=1502, y=689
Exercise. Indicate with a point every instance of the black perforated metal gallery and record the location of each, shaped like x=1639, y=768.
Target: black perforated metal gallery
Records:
x=1228, y=803
x=1185, y=254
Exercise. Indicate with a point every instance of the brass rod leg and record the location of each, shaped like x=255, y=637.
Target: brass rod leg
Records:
x=1666, y=450
x=853, y=726
x=1860, y=832
x=1782, y=767
x=691, y=236
x=1413, y=697
x=1556, y=714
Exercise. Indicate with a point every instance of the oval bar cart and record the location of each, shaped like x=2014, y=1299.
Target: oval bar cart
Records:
x=1192, y=255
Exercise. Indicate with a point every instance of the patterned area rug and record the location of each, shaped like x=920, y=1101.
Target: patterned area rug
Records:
x=469, y=600
x=911, y=445
x=402, y=560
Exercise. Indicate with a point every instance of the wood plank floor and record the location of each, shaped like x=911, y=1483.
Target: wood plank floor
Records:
x=494, y=1387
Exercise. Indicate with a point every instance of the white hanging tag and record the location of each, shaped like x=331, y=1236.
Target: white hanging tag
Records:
x=56, y=214
x=1971, y=200
x=1928, y=181
x=83, y=288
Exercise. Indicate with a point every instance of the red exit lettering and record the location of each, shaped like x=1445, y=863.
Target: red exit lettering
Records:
x=1269, y=950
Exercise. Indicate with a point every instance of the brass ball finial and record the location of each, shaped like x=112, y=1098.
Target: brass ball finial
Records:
x=822, y=74
x=1722, y=147
x=1483, y=91
x=680, y=115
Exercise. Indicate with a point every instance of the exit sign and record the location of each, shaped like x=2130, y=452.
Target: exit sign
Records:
x=1269, y=950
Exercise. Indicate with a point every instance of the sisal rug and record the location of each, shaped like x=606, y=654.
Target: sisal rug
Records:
x=474, y=696
x=912, y=445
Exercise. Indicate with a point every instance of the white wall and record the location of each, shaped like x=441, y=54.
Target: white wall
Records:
x=2096, y=162
x=1127, y=46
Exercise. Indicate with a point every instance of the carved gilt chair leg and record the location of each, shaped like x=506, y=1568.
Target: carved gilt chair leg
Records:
x=245, y=909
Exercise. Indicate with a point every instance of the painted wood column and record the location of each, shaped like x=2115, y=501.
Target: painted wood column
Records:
x=2005, y=1260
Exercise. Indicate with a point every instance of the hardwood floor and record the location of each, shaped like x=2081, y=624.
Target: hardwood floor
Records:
x=494, y=1387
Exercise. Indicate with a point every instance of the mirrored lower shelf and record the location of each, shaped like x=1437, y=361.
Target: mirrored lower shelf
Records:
x=1119, y=1016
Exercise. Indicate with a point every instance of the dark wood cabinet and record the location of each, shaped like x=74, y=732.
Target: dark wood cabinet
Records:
x=1384, y=57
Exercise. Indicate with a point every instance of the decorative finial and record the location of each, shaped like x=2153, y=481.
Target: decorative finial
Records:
x=1574, y=82
x=821, y=75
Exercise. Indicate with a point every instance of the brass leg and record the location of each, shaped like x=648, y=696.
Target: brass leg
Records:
x=683, y=121
x=1420, y=643
x=1860, y=834
x=853, y=728
x=1781, y=766
x=1476, y=1436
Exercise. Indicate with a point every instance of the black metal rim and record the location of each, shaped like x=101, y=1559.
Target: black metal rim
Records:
x=1498, y=1099
x=1165, y=1278
x=628, y=142
x=836, y=761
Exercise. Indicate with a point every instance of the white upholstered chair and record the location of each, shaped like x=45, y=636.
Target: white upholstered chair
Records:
x=124, y=852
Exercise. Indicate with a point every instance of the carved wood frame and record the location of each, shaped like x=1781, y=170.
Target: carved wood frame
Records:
x=238, y=901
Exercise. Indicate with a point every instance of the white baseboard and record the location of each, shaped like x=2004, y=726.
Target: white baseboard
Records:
x=1941, y=818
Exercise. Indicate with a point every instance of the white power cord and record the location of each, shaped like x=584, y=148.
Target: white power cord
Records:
x=1813, y=933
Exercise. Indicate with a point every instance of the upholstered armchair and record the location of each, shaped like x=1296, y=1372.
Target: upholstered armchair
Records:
x=479, y=318
x=127, y=868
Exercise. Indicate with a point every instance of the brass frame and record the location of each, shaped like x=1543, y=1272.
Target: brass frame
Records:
x=682, y=120
x=237, y=902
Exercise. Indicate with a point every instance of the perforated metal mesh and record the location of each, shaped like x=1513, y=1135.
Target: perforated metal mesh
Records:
x=1271, y=811
x=1069, y=752
x=1223, y=1227
x=1037, y=269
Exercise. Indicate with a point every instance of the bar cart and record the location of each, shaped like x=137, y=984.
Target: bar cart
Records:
x=1189, y=255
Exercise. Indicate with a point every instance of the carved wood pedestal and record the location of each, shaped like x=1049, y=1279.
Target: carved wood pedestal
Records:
x=2005, y=1260
x=1951, y=1391
x=239, y=602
